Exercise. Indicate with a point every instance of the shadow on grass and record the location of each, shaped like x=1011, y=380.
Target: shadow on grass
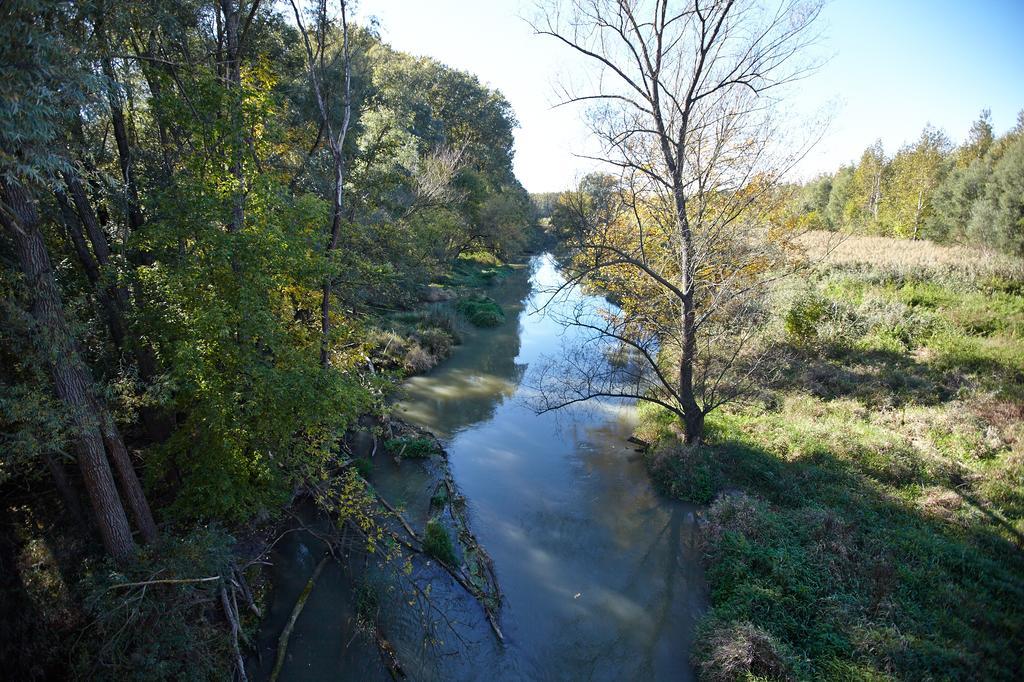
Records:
x=852, y=578
x=879, y=377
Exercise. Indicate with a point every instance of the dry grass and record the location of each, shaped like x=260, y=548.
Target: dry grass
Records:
x=742, y=651
x=904, y=257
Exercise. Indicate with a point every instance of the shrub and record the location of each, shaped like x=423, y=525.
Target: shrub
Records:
x=482, y=311
x=803, y=317
x=438, y=543
x=161, y=631
x=364, y=466
x=436, y=341
x=417, y=360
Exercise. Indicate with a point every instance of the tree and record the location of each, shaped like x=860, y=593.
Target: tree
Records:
x=45, y=86
x=997, y=218
x=335, y=132
x=862, y=207
x=915, y=173
x=979, y=140
x=683, y=108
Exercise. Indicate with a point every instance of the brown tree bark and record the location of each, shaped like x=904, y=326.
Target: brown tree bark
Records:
x=70, y=375
x=107, y=296
x=131, y=487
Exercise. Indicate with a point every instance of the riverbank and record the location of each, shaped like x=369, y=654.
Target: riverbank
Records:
x=597, y=573
x=412, y=341
x=867, y=517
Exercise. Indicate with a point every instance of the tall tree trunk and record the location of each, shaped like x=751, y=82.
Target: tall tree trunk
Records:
x=159, y=423
x=917, y=213
x=70, y=375
x=107, y=296
x=124, y=156
x=233, y=75
x=693, y=416
x=131, y=487
x=332, y=245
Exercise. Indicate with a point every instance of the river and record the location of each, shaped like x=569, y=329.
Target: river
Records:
x=601, y=577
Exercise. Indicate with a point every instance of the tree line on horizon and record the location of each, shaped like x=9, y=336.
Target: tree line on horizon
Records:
x=931, y=188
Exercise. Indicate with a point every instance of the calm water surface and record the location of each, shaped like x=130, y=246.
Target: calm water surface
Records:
x=600, y=576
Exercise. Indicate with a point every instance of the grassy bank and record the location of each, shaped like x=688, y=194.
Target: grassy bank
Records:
x=413, y=341
x=867, y=520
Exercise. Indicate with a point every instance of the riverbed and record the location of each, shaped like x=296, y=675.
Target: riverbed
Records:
x=600, y=576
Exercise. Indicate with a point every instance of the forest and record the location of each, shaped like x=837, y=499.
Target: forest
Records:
x=205, y=207
x=298, y=380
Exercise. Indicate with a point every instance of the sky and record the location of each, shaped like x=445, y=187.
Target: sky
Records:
x=892, y=67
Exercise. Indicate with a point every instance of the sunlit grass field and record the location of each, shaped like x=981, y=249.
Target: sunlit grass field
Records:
x=866, y=518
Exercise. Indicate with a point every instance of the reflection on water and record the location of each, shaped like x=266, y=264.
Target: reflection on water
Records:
x=600, y=576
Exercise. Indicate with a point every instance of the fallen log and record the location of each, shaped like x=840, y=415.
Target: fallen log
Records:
x=282, y=641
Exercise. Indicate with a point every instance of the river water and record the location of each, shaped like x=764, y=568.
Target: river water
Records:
x=600, y=576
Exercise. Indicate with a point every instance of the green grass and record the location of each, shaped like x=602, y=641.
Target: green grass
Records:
x=476, y=270
x=868, y=520
x=411, y=448
x=438, y=543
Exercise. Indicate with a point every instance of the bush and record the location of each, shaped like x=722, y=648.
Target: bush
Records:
x=438, y=543
x=803, y=317
x=436, y=341
x=482, y=311
x=159, y=631
x=364, y=466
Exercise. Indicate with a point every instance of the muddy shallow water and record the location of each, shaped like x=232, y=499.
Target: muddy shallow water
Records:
x=600, y=576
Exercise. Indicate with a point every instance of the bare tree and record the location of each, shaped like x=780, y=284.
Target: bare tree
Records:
x=685, y=103
x=315, y=42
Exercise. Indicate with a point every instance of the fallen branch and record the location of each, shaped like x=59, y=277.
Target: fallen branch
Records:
x=282, y=641
x=452, y=571
x=166, y=581
x=231, y=611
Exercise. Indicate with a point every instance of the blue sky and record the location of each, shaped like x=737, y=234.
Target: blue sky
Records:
x=893, y=67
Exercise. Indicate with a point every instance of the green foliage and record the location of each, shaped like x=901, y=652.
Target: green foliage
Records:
x=476, y=270
x=481, y=310
x=802, y=319
x=42, y=85
x=364, y=466
x=411, y=448
x=367, y=603
x=683, y=473
x=438, y=543
x=930, y=189
x=215, y=207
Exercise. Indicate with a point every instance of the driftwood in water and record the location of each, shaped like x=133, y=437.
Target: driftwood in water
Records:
x=642, y=443
x=486, y=601
x=282, y=641
x=388, y=655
